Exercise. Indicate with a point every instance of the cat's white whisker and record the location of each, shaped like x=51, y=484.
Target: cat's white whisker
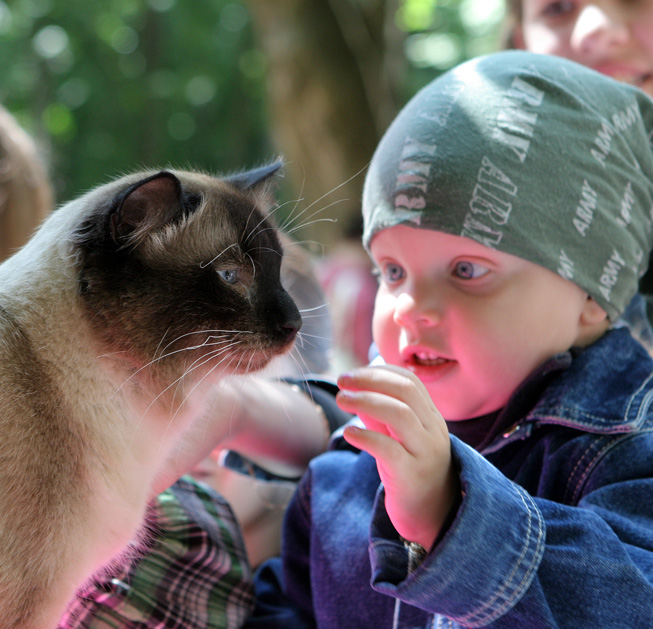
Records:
x=320, y=307
x=293, y=219
x=300, y=199
x=270, y=249
x=286, y=227
x=302, y=367
x=279, y=206
x=265, y=218
x=223, y=333
x=293, y=223
x=305, y=338
x=253, y=233
x=203, y=265
x=249, y=256
x=204, y=358
x=301, y=226
x=197, y=384
x=156, y=351
x=191, y=368
x=110, y=354
x=165, y=356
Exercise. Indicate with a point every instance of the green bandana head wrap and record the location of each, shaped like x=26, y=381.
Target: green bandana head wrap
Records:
x=531, y=155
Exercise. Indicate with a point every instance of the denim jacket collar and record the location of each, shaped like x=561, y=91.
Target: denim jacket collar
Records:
x=577, y=399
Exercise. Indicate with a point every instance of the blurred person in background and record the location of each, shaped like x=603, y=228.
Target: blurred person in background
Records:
x=25, y=192
x=613, y=37
x=350, y=287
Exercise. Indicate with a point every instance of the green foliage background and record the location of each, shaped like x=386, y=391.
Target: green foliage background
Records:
x=106, y=87
x=110, y=86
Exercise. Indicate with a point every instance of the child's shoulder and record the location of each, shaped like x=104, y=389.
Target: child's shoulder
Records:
x=608, y=387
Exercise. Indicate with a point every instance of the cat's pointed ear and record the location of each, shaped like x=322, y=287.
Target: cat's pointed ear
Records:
x=147, y=205
x=253, y=179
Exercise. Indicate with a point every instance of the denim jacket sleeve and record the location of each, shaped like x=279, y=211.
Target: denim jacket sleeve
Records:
x=512, y=560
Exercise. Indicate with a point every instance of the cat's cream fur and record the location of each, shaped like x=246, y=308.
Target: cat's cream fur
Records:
x=91, y=415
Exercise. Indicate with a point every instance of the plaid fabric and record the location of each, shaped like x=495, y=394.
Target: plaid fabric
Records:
x=193, y=573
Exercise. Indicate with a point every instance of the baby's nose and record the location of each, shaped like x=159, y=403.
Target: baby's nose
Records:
x=413, y=308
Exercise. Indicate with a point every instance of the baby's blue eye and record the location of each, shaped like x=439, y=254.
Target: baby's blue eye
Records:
x=466, y=270
x=393, y=273
x=230, y=276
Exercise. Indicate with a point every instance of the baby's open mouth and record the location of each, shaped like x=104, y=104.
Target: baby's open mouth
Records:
x=427, y=359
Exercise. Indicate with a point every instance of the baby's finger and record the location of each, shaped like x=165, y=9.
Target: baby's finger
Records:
x=399, y=384
x=390, y=380
x=382, y=447
x=386, y=415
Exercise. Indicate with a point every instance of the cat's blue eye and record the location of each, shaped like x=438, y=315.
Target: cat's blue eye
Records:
x=230, y=276
x=466, y=270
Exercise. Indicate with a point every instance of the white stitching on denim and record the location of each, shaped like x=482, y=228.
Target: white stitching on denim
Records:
x=634, y=396
x=589, y=467
x=579, y=463
x=613, y=443
x=577, y=421
x=479, y=615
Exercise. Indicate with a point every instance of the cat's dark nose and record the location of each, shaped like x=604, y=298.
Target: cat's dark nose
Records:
x=282, y=315
x=290, y=328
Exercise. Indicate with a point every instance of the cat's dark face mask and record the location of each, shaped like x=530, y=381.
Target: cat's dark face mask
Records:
x=182, y=271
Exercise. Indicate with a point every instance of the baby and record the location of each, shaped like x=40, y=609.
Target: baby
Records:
x=501, y=472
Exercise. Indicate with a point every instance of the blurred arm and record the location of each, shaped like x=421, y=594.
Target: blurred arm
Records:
x=272, y=422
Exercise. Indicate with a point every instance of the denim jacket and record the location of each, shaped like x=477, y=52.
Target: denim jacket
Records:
x=554, y=528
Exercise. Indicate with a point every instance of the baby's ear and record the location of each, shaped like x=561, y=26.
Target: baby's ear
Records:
x=593, y=323
x=593, y=313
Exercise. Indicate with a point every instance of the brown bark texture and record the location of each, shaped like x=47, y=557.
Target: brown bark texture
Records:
x=330, y=99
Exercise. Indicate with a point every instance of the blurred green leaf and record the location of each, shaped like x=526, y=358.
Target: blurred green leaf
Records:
x=110, y=86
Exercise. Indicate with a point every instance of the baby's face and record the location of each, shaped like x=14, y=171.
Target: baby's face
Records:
x=614, y=37
x=470, y=321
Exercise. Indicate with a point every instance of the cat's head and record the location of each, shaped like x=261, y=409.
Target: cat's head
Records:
x=180, y=270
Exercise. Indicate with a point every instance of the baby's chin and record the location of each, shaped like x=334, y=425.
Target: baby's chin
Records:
x=460, y=411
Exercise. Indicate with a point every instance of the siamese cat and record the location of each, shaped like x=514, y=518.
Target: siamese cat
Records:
x=115, y=319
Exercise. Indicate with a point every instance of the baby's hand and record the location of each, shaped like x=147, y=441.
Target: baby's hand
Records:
x=409, y=440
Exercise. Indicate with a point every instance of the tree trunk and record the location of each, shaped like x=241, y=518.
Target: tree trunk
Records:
x=329, y=98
